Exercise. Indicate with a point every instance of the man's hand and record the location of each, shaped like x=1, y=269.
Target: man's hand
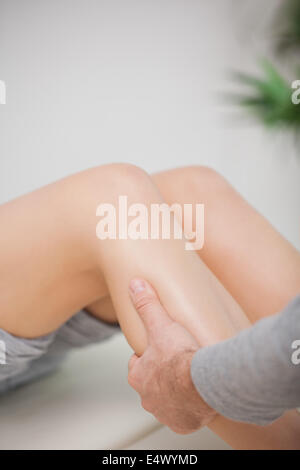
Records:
x=162, y=375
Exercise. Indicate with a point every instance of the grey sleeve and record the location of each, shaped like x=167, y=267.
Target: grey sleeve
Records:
x=255, y=376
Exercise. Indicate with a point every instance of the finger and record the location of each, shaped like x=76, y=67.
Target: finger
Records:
x=132, y=362
x=148, y=306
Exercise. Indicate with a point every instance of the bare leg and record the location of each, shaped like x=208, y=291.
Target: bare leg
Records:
x=53, y=264
x=275, y=279
x=252, y=260
x=257, y=266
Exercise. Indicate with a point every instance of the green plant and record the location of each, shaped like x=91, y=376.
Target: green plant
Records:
x=269, y=98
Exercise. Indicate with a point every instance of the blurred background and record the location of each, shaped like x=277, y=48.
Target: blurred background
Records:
x=140, y=81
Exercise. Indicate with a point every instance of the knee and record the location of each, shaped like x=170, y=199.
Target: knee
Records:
x=203, y=177
x=198, y=179
x=127, y=174
x=122, y=177
x=102, y=186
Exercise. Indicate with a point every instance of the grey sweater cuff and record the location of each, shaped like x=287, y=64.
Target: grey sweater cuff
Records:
x=251, y=377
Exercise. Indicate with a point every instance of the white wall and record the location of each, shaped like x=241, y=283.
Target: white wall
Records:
x=90, y=82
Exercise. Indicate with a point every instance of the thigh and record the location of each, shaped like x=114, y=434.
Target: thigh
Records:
x=253, y=261
x=46, y=272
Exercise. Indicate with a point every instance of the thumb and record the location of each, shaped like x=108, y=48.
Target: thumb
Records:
x=148, y=306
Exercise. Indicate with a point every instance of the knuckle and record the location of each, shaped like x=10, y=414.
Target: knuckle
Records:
x=144, y=303
x=132, y=380
x=181, y=431
x=147, y=405
x=131, y=363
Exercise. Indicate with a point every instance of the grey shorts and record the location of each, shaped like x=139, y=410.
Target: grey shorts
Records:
x=24, y=360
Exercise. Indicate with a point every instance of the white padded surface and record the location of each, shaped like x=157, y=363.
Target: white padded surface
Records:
x=165, y=439
x=86, y=405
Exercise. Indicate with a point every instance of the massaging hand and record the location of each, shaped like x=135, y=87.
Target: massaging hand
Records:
x=161, y=375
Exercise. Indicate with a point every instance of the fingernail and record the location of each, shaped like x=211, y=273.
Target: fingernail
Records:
x=137, y=285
